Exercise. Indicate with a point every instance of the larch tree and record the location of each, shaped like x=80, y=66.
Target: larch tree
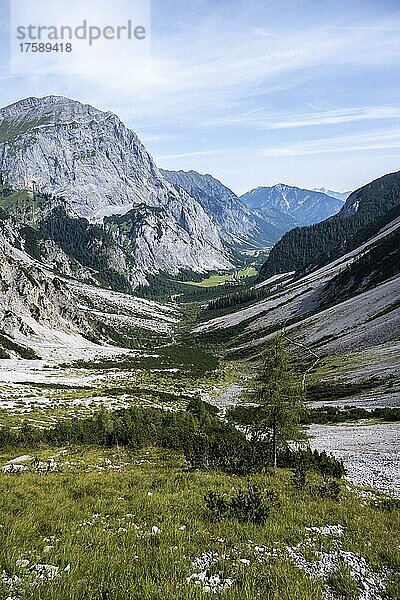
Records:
x=277, y=390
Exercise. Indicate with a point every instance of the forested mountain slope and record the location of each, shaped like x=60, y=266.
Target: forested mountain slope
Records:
x=365, y=212
x=348, y=305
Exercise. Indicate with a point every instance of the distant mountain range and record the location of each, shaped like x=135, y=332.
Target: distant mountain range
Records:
x=237, y=224
x=260, y=216
x=302, y=207
x=366, y=210
x=339, y=195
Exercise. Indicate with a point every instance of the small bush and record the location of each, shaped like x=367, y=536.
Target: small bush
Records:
x=222, y=447
x=201, y=409
x=217, y=505
x=247, y=506
x=390, y=504
x=329, y=490
x=299, y=474
x=321, y=462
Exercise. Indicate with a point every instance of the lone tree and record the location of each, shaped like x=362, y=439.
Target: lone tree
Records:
x=278, y=393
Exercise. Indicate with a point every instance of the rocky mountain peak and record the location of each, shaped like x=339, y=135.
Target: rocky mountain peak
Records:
x=53, y=109
x=237, y=224
x=58, y=146
x=305, y=206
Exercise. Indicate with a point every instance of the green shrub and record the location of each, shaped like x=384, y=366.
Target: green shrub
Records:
x=329, y=490
x=246, y=506
x=299, y=474
x=217, y=506
x=201, y=410
x=321, y=462
x=390, y=504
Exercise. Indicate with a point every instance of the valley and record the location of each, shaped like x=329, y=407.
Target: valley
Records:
x=138, y=308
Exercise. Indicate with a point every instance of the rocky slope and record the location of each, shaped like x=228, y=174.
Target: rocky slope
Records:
x=62, y=147
x=303, y=206
x=45, y=305
x=238, y=224
x=349, y=307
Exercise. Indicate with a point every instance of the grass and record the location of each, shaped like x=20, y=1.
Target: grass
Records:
x=191, y=360
x=215, y=280
x=10, y=131
x=115, y=555
x=334, y=390
x=351, y=374
x=343, y=584
x=256, y=252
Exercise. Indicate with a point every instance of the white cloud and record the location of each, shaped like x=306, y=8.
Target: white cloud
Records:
x=166, y=157
x=266, y=119
x=380, y=140
x=211, y=67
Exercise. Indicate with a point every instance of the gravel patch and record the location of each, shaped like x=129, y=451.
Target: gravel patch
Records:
x=371, y=453
x=369, y=402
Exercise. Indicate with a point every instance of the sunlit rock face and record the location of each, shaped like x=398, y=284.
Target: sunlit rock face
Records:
x=59, y=146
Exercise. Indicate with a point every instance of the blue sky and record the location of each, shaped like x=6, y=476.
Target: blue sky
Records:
x=254, y=92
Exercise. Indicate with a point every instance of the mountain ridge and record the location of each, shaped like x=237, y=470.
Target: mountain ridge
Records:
x=333, y=194
x=304, y=206
x=64, y=148
x=305, y=248
x=237, y=223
